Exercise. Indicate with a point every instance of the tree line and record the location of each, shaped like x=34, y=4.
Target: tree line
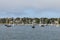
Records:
x=26, y=20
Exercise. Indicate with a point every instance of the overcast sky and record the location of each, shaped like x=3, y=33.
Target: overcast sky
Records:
x=29, y=8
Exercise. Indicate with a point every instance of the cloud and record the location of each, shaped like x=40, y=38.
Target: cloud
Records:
x=30, y=12
x=30, y=3
x=29, y=8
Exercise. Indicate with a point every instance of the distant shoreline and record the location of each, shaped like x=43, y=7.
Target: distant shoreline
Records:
x=34, y=24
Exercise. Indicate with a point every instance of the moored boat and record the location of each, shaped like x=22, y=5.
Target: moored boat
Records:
x=42, y=26
x=8, y=25
x=33, y=26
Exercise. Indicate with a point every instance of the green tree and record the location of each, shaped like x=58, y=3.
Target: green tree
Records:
x=3, y=20
x=37, y=20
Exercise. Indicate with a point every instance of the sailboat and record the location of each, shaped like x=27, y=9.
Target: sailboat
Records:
x=42, y=25
x=33, y=25
x=9, y=25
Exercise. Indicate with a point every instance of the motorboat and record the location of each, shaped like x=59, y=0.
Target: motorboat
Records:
x=42, y=26
x=33, y=26
x=8, y=25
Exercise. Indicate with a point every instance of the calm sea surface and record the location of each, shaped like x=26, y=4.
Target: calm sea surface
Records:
x=28, y=33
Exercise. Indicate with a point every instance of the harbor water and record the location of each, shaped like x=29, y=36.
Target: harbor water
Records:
x=19, y=32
